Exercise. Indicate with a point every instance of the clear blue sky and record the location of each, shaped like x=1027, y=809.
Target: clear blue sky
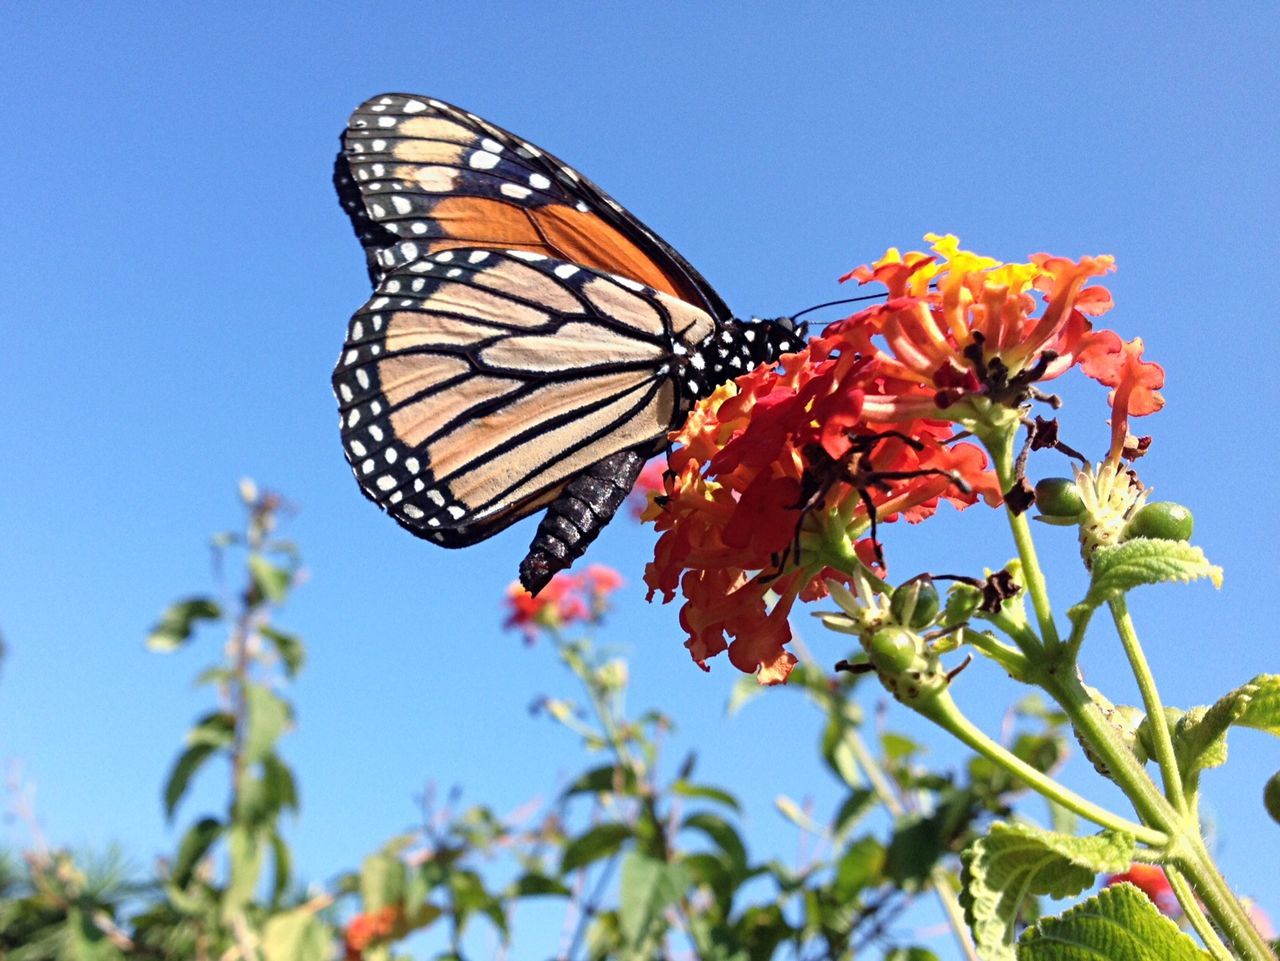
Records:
x=177, y=274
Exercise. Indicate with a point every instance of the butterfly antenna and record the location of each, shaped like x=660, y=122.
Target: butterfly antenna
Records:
x=834, y=303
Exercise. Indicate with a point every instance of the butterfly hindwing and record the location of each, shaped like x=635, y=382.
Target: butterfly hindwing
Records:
x=476, y=384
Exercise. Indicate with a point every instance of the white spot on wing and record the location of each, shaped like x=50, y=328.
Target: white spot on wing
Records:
x=483, y=160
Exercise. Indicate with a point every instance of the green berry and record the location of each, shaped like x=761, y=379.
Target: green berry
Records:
x=1059, y=497
x=1271, y=797
x=1162, y=520
x=923, y=609
x=892, y=649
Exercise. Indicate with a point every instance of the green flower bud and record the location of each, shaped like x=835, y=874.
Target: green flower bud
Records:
x=1271, y=797
x=892, y=649
x=1162, y=520
x=915, y=603
x=1059, y=497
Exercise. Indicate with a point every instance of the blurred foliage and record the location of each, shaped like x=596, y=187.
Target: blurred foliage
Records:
x=647, y=860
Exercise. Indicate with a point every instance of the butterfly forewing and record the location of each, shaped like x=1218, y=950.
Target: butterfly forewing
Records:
x=476, y=383
x=418, y=175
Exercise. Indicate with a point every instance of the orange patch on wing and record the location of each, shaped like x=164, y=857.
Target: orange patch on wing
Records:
x=554, y=230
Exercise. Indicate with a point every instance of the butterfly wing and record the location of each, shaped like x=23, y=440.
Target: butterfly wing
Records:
x=418, y=175
x=477, y=384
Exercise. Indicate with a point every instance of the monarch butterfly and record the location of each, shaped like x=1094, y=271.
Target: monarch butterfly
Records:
x=529, y=343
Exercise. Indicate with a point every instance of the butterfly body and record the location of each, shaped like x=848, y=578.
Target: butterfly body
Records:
x=528, y=344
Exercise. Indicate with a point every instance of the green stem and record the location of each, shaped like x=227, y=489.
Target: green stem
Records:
x=1157, y=723
x=1069, y=691
x=942, y=710
x=1191, y=908
x=1223, y=906
x=1002, y=456
x=938, y=878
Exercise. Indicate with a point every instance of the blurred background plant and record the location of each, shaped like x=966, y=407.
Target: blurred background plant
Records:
x=644, y=859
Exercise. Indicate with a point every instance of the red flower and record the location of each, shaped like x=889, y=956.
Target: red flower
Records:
x=957, y=325
x=766, y=498
x=366, y=929
x=1151, y=881
x=569, y=599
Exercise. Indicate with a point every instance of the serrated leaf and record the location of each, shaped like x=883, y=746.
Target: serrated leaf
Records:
x=296, y=935
x=598, y=842
x=707, y=792
x=184, y=769
x=193, y=847
x=179, y=622
x=288, y=647
x=271, y=580
x=267, y=716
x=1200, y=735
x=1118, y=923
x=1016, y=861
x=1144, y=560
x=649, y=886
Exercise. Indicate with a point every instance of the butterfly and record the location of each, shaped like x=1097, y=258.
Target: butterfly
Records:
x=529, y=343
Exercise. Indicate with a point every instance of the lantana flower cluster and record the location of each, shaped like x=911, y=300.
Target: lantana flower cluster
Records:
x=567, y=600
x=776, y=479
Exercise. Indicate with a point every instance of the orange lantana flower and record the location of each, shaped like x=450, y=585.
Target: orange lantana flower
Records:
x=567, y=600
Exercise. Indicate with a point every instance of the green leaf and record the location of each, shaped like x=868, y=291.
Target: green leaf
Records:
x=296, y=935
x=838, y=745
x=245, y=850
x=794, y=813
x=852, y=809
x=1118, y=923
x=184, y=769
x=288, y=647
x=599, y=842
x=708, y=792
x=217, y=729
x=382, y=881
x=607, y=779
x=722, y=835
x=1017, y=861
x=267, y=716
x=649, y=886
x=281, y=788
x=861, y=865
x=271, y=581
x=911, y=954
x=1143, y=560
x=1200, y=735
x=282, y=859
x=744, y=690
x=193, y=847
x=533, y=885
x=179, y=622
x=85, y=939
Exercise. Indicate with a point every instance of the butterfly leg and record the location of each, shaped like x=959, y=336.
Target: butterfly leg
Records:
x=573, y=520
